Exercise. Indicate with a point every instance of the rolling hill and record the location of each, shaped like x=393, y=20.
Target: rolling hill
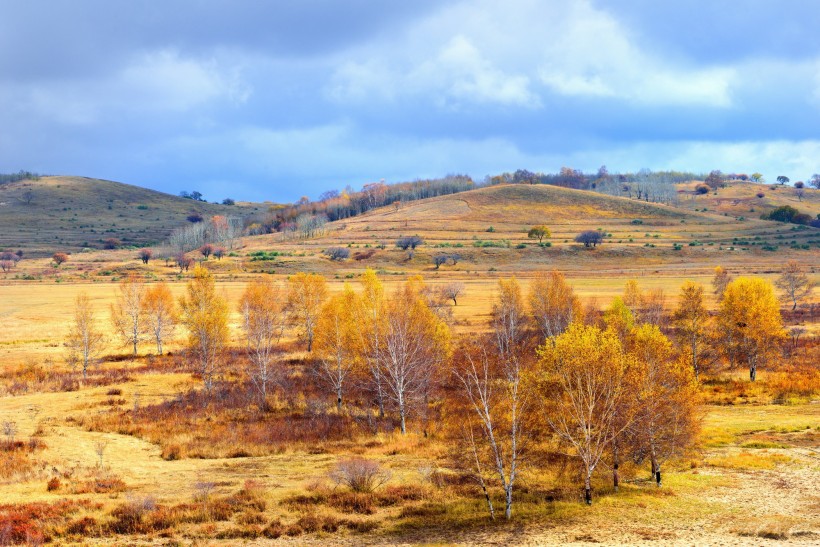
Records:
x=71, y=213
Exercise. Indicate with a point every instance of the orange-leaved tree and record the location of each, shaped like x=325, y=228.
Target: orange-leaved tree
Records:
x=160, y=313
x=371, y=319
x=749, y=323
x=262, y=308
x=307, y=293
x=204, y=313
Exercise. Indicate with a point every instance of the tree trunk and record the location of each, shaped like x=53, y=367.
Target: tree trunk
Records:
x=616, y=479
x=508, y=495
x=403, y=422
x=587, y=490
x=656, y=470
x=752, y=371
x=135, y=348
x=339, y=399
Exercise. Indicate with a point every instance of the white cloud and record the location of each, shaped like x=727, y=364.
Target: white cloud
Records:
x=154, y=83
x=491, y=52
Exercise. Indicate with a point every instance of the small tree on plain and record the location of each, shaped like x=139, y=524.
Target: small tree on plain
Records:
x=262, y=307
x=539, y=232
x=206, y=250
x=409, y=242
x=146, y=255
x=337, y=253
x=794, y=284
x=84, y=340
x=451, y=291
x=590, y=238
x=128, y=312
x=160, y=313
x=59, y=258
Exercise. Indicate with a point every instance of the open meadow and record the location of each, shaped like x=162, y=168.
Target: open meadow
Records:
x=142, y=450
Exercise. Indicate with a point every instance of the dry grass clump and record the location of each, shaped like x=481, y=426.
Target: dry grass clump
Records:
x=16, y=460
x=32, y=377
x=37, y=523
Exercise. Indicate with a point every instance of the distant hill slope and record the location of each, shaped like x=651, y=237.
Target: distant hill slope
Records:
x=741, y=199
x=69, y=213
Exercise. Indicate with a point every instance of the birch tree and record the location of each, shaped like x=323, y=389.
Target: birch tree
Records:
x=85, y=341
x=337, y=342
x=306, y=294
x=262, y=309
x=553, y=304
x=160, y=313
x=128, y=312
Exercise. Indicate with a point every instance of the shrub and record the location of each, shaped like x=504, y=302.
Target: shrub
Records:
x=53, y=484
x=337, y=253
x=363, y=255
x=145, y=255
x=702, y=189
x=59, y=258
x=111, y=243
x=359, y=474
x=761, y=195
x=194, y=218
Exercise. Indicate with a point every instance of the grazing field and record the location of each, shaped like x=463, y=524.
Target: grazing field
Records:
x=139, y=451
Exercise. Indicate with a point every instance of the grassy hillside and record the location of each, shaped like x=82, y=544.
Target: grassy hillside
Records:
x=69, y=213
x=488, y=229
x=741, y=199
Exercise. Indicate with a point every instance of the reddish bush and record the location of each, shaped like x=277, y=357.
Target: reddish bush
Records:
x=112, y=243
x=59, y=258
x=53, y=484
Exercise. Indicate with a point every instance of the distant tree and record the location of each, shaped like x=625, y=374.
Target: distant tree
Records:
x=799, y=190
x=815, y=181
x=228, y=201
x=757, y=177
x=27, y=196
x=145, y=255
x=794, y=283
x=553, y=304
x=85, y=341
x=183, y=261
x=702, y=189
x=204, y=313
x=715, y=179
x=7, y=261
x=219, y=252
x=194, y=218
x=784, y=213
x=111, y=243
x=539, y=232
x=719, y=282
x=409, y=242
x=782, y=179
x=59, y=258
x=452, y=290
x=196, y=196
x=760, y=195
x=128, y=313
x=337, y=253
x=590, y=238
x=440, y=258
x=206, y=250
x=307, y=293
x=160, y=313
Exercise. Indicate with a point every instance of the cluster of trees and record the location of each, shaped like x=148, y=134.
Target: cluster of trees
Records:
x=789, y=214
x=334, y=205
x=18, y=176
x=9, y=260
x=602, y=388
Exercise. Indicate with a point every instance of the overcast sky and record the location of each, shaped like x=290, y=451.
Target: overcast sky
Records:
x=272, y=100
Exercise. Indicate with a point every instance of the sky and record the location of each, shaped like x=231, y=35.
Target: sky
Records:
x=274, y=100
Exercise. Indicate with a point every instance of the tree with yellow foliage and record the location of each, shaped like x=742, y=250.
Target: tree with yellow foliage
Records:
x=749, y=323
x=306, y=294
x=262, y=308
x=416, y=343
x=128, y=312
x=553, y=304
x=371, y=319
x=691, y=321
x=667, y=419
x=581, y=386
x=619, y=319
x=160, y=313
x=719, y=282
x=204, y=313
x=338, y=341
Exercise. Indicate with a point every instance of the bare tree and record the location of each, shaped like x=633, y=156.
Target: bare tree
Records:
x=128, y=313
x=794, y=283
x=160, y=313
x=452, y=290
x=84, y=340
